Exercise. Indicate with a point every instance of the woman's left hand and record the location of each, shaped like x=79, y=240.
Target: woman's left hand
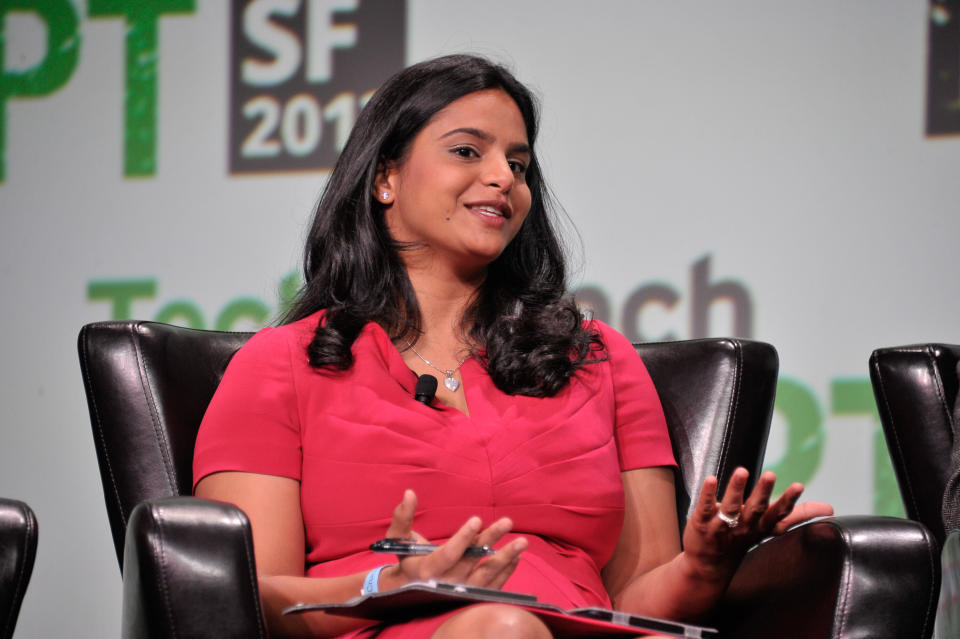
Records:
x=719, y=533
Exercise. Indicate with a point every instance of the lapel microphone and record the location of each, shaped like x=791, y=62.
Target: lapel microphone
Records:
x=426, y=389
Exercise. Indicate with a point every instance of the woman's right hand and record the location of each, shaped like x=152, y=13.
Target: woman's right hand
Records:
x=448, y=563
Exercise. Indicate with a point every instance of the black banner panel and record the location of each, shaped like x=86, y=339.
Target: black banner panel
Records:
x=943, y=68
x=300, y=71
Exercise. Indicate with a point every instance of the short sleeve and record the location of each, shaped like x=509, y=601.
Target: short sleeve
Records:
x=252, y=422
x=641, y=428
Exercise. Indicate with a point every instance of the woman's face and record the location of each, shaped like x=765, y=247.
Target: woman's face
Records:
x=460, y=194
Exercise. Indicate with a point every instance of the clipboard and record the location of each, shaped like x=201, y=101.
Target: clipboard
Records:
x=427, y=598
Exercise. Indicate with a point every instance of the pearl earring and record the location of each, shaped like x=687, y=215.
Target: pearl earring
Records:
x=385, y=195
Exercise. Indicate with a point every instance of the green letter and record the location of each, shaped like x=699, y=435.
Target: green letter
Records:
x=289, y=286
x=140, y=108
x=854, y=396
x=192, y=317
x=122, y=294
x=805, y=436
x=243, y=307
x=63, y=49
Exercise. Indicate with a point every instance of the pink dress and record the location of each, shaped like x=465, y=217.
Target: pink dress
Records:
x=356, y=439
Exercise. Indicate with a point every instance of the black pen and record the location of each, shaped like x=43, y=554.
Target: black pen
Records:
x=403, y=547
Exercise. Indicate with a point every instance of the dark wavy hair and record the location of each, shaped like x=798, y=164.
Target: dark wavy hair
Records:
x=521, y=324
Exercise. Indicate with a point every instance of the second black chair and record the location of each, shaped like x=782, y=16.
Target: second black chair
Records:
x=917, y=388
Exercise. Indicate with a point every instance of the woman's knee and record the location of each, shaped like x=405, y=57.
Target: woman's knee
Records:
x=493, y=621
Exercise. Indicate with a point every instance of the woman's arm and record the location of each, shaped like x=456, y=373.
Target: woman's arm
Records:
x=649, y=541
x=272, y=504
x=649, y=574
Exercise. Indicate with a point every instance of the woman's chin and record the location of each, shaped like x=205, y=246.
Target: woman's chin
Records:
x=484, y=256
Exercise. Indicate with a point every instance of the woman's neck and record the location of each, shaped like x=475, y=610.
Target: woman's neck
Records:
x=443, y=299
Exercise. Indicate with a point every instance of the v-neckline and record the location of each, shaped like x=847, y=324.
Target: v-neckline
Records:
x=407, y=377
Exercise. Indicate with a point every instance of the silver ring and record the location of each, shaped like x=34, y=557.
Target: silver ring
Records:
x=732, y=521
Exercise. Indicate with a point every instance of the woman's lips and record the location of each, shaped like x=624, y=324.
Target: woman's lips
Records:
x=491, y=209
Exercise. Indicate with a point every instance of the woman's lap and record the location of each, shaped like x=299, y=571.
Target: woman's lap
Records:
x=453, y=621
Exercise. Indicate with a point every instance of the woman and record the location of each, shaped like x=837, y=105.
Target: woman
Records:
x=432, y=252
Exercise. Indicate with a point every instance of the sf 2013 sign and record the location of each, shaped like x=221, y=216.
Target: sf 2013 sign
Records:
x=300, y=72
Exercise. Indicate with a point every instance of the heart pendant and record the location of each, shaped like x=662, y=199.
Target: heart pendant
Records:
x=451, y=383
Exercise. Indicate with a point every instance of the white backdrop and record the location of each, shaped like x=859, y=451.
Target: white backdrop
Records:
x=780, y=145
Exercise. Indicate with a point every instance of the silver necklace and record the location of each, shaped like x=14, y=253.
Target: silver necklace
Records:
x=449, y=380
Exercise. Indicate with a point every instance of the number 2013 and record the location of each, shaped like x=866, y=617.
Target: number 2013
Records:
x=299, y=122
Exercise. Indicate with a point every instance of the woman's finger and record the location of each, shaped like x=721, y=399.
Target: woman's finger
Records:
x=456, y=566
x=444, y=558
x=802, y=512
x=494, y=532
x=493, y=571
x=443, y=562
x=780, y=508
x=401, y=525
x=731, y=506
x=706, y=503
x=759, y=500
x=501, y=577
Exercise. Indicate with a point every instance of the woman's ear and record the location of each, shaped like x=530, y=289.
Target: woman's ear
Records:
x=383, y=186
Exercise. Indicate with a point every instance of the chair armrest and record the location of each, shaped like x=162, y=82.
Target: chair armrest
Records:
x=854, y=576
x=18, y=549
x=189, y=571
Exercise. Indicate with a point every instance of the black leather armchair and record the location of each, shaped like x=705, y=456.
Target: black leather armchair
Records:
x=188, y=565
x=18, y=549
x=916, y=389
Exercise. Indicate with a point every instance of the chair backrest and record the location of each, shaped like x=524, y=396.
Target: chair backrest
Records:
x=18, y=548
x=915, y=389
x=718, y=397
x=148, y=385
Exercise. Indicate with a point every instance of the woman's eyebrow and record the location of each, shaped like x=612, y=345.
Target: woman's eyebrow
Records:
x=478, y=133
x=516, y=147
x=519, y=147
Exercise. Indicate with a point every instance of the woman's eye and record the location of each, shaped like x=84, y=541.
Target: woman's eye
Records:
x=465, y=152
x=517, y=167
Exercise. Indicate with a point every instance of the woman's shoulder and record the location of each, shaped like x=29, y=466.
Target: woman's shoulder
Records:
x=614, y=342
x=271, y=339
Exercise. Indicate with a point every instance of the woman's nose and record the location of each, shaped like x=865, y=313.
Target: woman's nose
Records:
x=497, y=172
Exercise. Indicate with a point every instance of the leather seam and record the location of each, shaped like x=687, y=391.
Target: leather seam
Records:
x=168, y=609
x=942, y=399
x=731, y=410
x=252, y=583
x=928, y=351
x=843, y=605
x=162, y=443
x=934, y=594
x=895, y=433
x=100, y=435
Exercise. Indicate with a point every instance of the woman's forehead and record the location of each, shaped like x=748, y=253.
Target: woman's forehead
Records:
x=491, y=113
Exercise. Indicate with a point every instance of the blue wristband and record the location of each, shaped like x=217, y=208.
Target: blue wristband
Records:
x=371, y=583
